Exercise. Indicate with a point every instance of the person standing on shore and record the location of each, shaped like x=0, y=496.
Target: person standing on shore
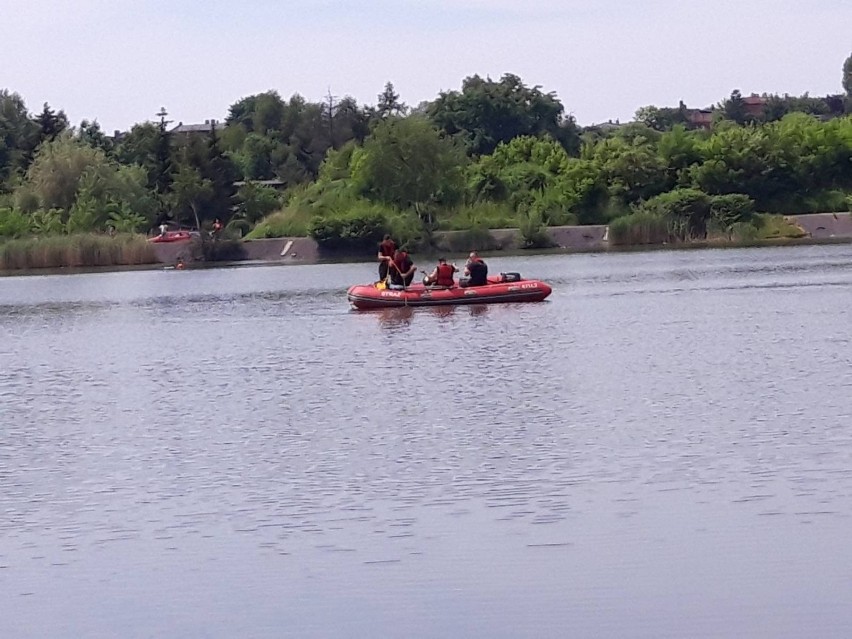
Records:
x=387, y=249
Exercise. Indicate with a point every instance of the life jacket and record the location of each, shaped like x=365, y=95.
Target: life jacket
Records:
x=387, y=248
x=444, y=275
x=402, y=262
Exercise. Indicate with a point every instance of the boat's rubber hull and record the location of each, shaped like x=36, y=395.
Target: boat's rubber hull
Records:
x=367, y=296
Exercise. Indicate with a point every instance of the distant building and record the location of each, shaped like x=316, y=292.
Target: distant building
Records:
x=700, y=118
x=196, y=129
x=754, y=104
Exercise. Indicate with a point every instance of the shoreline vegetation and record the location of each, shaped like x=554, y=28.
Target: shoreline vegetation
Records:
x=91, y=251
x=495, y=165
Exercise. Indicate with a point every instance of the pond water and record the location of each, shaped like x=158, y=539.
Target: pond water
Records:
x=662, y=449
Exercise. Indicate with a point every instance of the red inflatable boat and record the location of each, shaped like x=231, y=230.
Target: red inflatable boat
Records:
x=172, y=236
x=506, y=287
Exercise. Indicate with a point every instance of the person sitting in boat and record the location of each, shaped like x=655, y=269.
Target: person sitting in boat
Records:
x=475, y=271
x=387, y=248
x=401, y=269
x=442, y=275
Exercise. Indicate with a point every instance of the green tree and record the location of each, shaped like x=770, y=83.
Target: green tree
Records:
x=407, y=161
x=189, y=193
x=18, y=138
x=255, y=201
x=162, y=160
x=662, y=119
x=734, y=108
x=50, y=123
x=485, y=113
x=91, y=134
x=631, y=170
x=57, y=169
x=388, y=104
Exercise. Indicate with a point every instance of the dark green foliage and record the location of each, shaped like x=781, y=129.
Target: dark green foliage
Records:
x=255, y=201
x=50, y=123
x=642, y=227
x=406, y=161
x=687, y=212
x=485, y=113
x=360, y=230
x=726, y=211
x=534, y=232
x=13, y=223
x=18, y=138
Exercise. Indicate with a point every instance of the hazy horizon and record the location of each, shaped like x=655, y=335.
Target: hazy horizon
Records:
x=117, y=62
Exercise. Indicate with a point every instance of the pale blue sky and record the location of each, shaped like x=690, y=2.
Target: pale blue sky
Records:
x=118, y=61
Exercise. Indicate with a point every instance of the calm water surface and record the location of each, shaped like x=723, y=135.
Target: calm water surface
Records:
x=663, y=449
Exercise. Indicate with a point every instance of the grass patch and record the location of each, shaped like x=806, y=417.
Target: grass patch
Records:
x=490, y=215
x=82, y=250
x=292, y=221
x=638, y=228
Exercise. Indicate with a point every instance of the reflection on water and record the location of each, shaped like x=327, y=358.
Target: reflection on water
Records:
x=659, y=450
x=402, y=316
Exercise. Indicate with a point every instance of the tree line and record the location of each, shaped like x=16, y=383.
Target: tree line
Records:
x=495, y=153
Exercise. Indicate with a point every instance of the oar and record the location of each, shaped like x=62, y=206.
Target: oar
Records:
x=392, y=263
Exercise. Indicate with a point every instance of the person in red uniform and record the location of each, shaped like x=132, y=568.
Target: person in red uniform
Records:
x=442, y=275
x=387, y=248
x=401, y=269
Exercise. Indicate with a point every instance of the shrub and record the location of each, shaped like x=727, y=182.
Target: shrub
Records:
x=13, y=223
x=533, y=232
x=492, y=215
x=642, y=227
x=686, y=211
x=358, y=230
x=729, y=211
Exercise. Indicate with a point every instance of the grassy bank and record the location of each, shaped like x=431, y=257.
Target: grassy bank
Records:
x=81, y=250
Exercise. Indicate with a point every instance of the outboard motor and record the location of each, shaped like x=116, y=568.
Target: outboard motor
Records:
x=510, y=277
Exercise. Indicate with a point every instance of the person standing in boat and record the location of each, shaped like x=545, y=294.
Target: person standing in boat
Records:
x=442, y=275
x=401, y=269
x=387, y=248
x=476, y=271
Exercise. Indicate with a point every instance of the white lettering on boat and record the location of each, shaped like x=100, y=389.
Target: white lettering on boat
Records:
x=391, y=294
x=534, y=285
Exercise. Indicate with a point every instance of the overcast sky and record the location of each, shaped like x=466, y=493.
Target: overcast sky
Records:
x=119, y=61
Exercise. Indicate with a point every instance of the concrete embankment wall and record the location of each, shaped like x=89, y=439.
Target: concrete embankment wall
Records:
x=825, y=225
x=304, y=250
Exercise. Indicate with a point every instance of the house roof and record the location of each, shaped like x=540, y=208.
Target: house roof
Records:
x=206, y=127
